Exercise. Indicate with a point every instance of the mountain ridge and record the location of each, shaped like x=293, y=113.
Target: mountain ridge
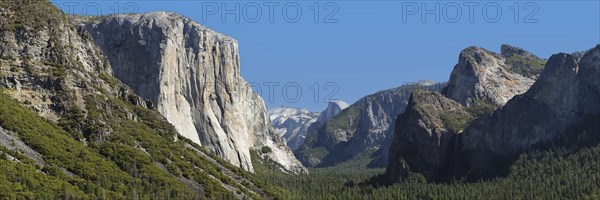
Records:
x=360, y=129
x=96, y=137
x=485, y=145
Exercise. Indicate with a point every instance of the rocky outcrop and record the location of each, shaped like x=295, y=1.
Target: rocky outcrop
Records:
x=53, y=66
x=364, y=129
x=11, y=141
x=292, y=124
x=191, y=74
x=423, y=134
x=484, y=75
x=557, y=110
x=426, y=138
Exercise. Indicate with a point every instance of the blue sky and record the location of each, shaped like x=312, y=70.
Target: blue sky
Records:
x=356, y=47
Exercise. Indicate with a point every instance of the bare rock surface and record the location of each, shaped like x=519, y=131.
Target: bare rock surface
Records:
x=192, y=75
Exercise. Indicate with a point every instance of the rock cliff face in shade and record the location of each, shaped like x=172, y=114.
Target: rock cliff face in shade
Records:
x=292, y=124
x=192, y=75
x=560, y=109
x=425, y=135
x=484, y=75
x=359, y=130
x=422, y=134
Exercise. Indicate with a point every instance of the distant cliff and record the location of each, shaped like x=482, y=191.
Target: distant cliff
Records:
x=295, y=124
x=476, y=135
x=360, y=130
x=560, y=110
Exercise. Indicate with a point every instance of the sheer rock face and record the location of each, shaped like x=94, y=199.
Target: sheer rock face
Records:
x=550, y=105
x=484, y=75
x=566, y=95
x=192, y=75
x=364, y=128
x=424, y=142
x=421, y=137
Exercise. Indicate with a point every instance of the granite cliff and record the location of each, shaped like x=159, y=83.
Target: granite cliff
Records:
x=70, y=130
x=486, y=76
x=481, y=140
x=560, y=109
x=192, y=75
x=361, y=130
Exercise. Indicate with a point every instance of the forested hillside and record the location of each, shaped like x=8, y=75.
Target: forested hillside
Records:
x=70, y=130
x=553, y=174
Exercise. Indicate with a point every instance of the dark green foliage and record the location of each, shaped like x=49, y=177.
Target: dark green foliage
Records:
x=112, y=81
x=526, y=66
x=34, y=14
x=60, y=149
x=109, y=148
x=136, y=145
x=554, y=174
x=456, y=121
x=481, y=107
x=346, y=119
x=126, y=162
x=266, y=149
x=19, y=180
x=58, y=70
x=14, y=69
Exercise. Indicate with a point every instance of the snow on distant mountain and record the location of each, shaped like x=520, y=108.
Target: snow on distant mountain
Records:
x=292, y=123
x=295, y=123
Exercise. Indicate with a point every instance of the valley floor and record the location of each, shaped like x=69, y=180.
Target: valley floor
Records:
x=553, y=174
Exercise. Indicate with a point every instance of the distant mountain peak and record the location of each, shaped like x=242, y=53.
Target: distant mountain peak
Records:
x=481, y=74
x=333, y=108
x=425, y=82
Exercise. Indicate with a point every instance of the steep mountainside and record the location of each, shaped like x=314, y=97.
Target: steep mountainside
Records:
x=292, y=124
x=69, y=130
x=423, y=133
x=192, y=75
x=359, y=130
x=486, y=76
x=559, y=110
